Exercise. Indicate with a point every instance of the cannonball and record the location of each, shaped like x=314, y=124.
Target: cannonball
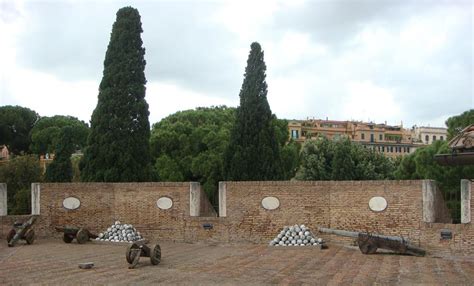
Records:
x=307, y=233
x=305, y=241
x=272, y=243
x=312, y=240
x=291, y=228
x=280, y=235
x=320, y=240
x=300, y=233
x=117, y=222
x=284, y=238
x=101, y=235
x=297, y=237
x=109, y=229
x=299, y=241
x=297, y=229
x=281, y=243
x=301, y=226
x=315, y=243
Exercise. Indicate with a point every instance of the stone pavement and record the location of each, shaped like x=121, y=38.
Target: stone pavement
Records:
x=53, y=262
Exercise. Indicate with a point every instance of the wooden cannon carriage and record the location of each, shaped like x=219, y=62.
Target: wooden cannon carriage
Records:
x=22, y=231
x=82, y=235
x=369, y=243
x=140, y=248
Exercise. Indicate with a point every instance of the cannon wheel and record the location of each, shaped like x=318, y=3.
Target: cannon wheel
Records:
x=82, y=236
x=10, y=235
x=155, y=256
x=67, y=238
x=129, y=253
x=30, y=236
x=367, y=247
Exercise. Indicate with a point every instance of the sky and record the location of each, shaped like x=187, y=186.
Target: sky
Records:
x=394, y=61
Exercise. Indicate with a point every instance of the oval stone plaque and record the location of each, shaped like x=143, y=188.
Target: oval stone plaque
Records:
x=164, y=203
x=71, y=203
x=270, y=203
x=378, y=204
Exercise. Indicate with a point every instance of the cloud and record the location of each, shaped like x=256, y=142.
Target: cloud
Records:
x=321, y=56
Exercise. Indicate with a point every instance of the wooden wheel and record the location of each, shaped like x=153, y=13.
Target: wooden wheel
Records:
x=30, y=236
x=129, y=254
x=155, y=256
x=82, y=236
x=367, y=247
x=67, y=238
x=10, y=235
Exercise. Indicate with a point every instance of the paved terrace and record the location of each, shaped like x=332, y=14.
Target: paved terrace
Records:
x=53, y=262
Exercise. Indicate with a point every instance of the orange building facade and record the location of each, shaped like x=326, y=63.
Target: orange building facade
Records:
x=393, y=141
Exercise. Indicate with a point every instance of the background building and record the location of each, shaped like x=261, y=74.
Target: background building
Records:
x=393, y=141
x=428, y=135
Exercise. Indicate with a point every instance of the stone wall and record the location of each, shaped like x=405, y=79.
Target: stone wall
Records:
x=243, y=217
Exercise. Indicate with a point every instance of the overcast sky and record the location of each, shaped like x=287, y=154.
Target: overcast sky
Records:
x=376, y=60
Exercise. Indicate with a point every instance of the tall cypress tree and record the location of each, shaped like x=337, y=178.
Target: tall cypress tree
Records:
x=60, y=170
x=118, y=145
x=253, y=152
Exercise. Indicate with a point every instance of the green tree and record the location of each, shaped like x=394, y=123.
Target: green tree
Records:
x=60, y=170
x=118, y=145
x=18, y=173
x=189, y=146
x=323, y=159
x=421, y=165
x=457, y=123
x=15, y=125
x=46, y=132
x=253, y=152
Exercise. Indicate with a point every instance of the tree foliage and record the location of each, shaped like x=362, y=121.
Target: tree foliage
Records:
x=323, y=159
x=188, y=146
x=457, y=123
x=421, y=165
x=60, y=170
x=18, y=173
x=46, y=133
x=16, y=123
x=118, y=145
x=253, y=152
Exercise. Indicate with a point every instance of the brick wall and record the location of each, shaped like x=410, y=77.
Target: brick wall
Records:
x=104, y=203
x=340, y=205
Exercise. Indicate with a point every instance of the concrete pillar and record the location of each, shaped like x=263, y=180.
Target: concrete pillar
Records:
x=3, y=199
x=222, y=199
x=429, y=195
x=194, y=198
x=35, y=198
x=466, y=201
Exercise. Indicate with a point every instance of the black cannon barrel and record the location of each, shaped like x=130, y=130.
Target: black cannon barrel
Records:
x=355, y=234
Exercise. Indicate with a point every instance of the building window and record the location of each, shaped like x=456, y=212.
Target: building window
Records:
x=408, y=149
x=391, y=149
x=380, y=137
x=362, y=136
x=383, y=148
x=371, y=137
x=294, y=134
x=427, y=138
x=441, y=138
x=434, y=138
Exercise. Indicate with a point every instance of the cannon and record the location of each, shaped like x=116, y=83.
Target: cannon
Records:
x=139, y=249
x=22, y=231
x=82, y=235
x=369, y=243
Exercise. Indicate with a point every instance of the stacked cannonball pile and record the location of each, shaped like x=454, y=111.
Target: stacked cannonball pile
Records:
x=120, y=233
x=296, y=235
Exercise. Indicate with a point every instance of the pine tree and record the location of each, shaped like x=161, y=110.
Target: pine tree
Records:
x=60, y=170
x=118, y=145
x=253, y=152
